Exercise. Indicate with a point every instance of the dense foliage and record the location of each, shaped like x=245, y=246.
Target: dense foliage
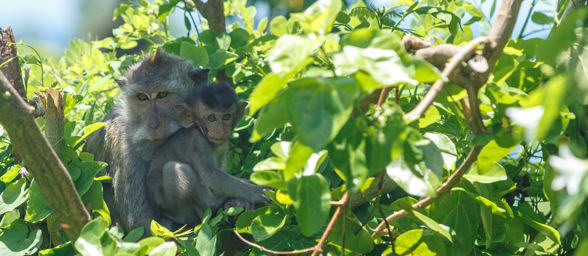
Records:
x=307, y=138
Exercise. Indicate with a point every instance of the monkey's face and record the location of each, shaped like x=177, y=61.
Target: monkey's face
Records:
x=156, y=108
x=217, y=124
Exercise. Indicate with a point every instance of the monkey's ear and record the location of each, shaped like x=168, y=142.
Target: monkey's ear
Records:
x=241, y=105
x=184, y=115
x=121, y=81
x=199, y=76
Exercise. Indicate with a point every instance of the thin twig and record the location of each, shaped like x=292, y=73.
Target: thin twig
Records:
x=318, y=249
x=442, y=190
x=263, y=249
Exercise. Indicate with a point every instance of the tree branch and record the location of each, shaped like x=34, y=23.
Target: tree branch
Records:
x=437, y=87
x=52, y=177
x=442, y=190
x=9, y=55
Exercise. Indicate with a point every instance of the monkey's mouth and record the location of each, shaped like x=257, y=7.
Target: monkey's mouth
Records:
x=217, y=141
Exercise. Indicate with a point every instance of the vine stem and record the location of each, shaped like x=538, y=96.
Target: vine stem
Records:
x=442, y=190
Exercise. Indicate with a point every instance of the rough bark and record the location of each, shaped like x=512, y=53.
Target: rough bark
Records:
x=12, y=68
x=43, y=163
x=214, y=12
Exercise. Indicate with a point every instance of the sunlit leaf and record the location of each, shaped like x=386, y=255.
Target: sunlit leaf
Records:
x=312, y=201
x=415, y=242
x=494, y=174
x=265, y=226
x=206, y=242
x=319, y=17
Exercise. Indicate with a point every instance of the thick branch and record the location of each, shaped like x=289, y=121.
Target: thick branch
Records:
x=8, y=55
x=53, y=179
x=437, y=87
x=499, y=35
x=444, y=189
x=214, y=12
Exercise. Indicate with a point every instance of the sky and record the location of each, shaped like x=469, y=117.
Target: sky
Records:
x=48, y=25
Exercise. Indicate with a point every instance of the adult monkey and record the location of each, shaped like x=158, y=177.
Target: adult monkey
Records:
x=141, y=120
x=187, y=174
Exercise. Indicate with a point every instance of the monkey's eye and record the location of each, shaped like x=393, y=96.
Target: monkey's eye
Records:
x=161, y=95
x=227, y=117
x=211, y=118
x=142, y=96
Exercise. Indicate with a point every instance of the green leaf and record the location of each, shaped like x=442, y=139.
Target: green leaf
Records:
x=196, y=54
x=384, y=142
x=494, y=152
x=318, y=108
x=14, y=195
x=383, y=65
x=541, y=18
x=62, y=249
x=10, y=175
x=562, y=38
x=298, y=157
x=165, y=249
x=356, y=236
x=529, y=217
x=17, y=241
x=430, y=117
x=312, y=202
x=447, y=148
x=319, y=17
x=9, y=218
x=90, y=240
x=462, y=218
x=223, y=41
x=87, y=171
x=348, y=154
x=244, y=221
x=494, y=174
x=431, y=224
x=37, y=207
x=135, y=235
x=265, y=91
x=206, y=242
x=265, y=226
x=239, y=38
x=151, y=243
x=272, y=163
x=160, y=231
x=174, y=46
x=577, y=66
x=415, y=242
x=283, y=60
x=270, y=179
x=94, y=196
x=278, y=26
x=281, y=149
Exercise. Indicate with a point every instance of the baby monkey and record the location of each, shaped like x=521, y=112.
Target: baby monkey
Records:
x=188, y=173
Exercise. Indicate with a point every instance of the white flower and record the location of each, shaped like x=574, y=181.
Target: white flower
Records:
x=528, y=118
x=571, y=170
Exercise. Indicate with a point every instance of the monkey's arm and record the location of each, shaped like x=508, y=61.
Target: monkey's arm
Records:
x=216, y=179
